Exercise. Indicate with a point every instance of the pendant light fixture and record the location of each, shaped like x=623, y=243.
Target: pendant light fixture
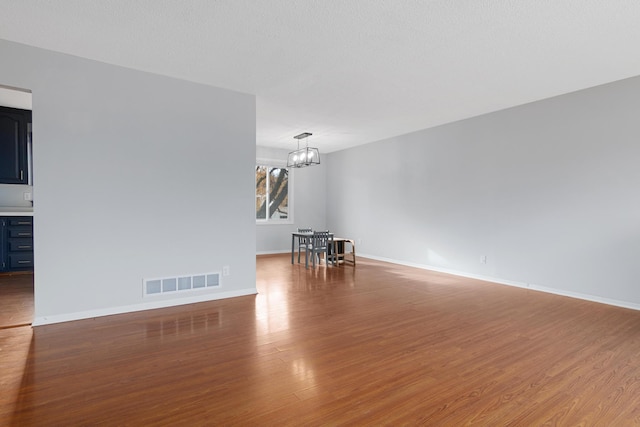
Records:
x=302, y=157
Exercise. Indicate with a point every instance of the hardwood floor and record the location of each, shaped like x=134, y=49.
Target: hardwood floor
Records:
x=16, y=299
x=380, y=344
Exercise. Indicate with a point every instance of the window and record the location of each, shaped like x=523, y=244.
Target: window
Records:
x=272, y=194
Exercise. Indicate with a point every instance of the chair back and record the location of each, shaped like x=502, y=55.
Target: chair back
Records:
x=304, y=240
x=320, y=240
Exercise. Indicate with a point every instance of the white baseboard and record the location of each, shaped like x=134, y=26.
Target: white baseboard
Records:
x=533, y=287
x=288, y=251
x=67, y=317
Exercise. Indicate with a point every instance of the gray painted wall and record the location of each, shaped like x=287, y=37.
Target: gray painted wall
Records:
x=309, y=203
x=548, y=192
x=12, y=195
x=138, y=176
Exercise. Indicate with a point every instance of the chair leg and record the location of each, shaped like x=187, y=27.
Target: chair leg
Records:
x=353, y=253
x=306, y=259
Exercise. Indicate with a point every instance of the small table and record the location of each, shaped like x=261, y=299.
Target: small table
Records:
x=339, y=254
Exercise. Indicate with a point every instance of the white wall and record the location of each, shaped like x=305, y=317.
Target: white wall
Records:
x=309, y=203
x=548, y=192
x=138, y=176
x=12, y=195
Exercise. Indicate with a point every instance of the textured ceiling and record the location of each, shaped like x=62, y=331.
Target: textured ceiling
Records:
x=350, y=71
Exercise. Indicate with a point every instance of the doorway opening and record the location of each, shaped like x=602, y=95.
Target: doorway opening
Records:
x=16, y=208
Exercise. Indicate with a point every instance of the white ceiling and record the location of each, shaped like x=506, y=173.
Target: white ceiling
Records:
x=350, y=71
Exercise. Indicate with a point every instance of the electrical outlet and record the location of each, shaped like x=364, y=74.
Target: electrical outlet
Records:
x=483, y=259
x=26, y=195
x=226, y=270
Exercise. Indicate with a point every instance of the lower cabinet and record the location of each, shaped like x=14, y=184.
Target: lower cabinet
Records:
x=16, y=252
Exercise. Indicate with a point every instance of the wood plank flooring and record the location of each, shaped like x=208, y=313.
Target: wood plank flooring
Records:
x=16, y=299
x=378, y=344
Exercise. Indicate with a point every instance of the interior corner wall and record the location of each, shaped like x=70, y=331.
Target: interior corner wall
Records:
x=309, y=203
x=547, y=192
x=136, y=176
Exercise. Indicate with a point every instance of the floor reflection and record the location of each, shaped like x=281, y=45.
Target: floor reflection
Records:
x=183, y=325
x=304, y=372
x=272, y=311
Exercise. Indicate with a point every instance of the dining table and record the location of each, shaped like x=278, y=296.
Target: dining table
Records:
x=296, y=234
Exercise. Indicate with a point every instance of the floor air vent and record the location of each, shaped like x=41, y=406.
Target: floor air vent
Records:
x=180, y=284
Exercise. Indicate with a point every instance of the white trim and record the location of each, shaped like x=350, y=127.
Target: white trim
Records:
x=58, y=318
x=533, y=287
x=288, y=251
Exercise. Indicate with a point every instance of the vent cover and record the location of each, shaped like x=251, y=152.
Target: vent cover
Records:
x=180, y=284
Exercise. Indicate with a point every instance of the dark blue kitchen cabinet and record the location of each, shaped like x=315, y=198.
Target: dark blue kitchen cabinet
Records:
x=13, y=145
x=16, y=250
x=3, y=240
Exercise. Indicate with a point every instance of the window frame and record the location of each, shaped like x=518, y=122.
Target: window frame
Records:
x=271, y=163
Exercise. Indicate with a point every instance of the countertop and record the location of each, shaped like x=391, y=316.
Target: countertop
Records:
x=12, y=211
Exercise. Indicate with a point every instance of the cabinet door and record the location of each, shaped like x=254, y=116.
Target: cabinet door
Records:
x=20, y=260
x=3, y=245
x=13, y=145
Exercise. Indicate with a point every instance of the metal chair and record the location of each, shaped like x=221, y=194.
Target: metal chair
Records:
x=303, y=242
x=319, y=244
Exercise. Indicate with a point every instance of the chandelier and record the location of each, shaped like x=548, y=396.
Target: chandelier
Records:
x=306, y=156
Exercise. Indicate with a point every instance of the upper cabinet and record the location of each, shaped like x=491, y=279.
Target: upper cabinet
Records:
x=13, y=145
